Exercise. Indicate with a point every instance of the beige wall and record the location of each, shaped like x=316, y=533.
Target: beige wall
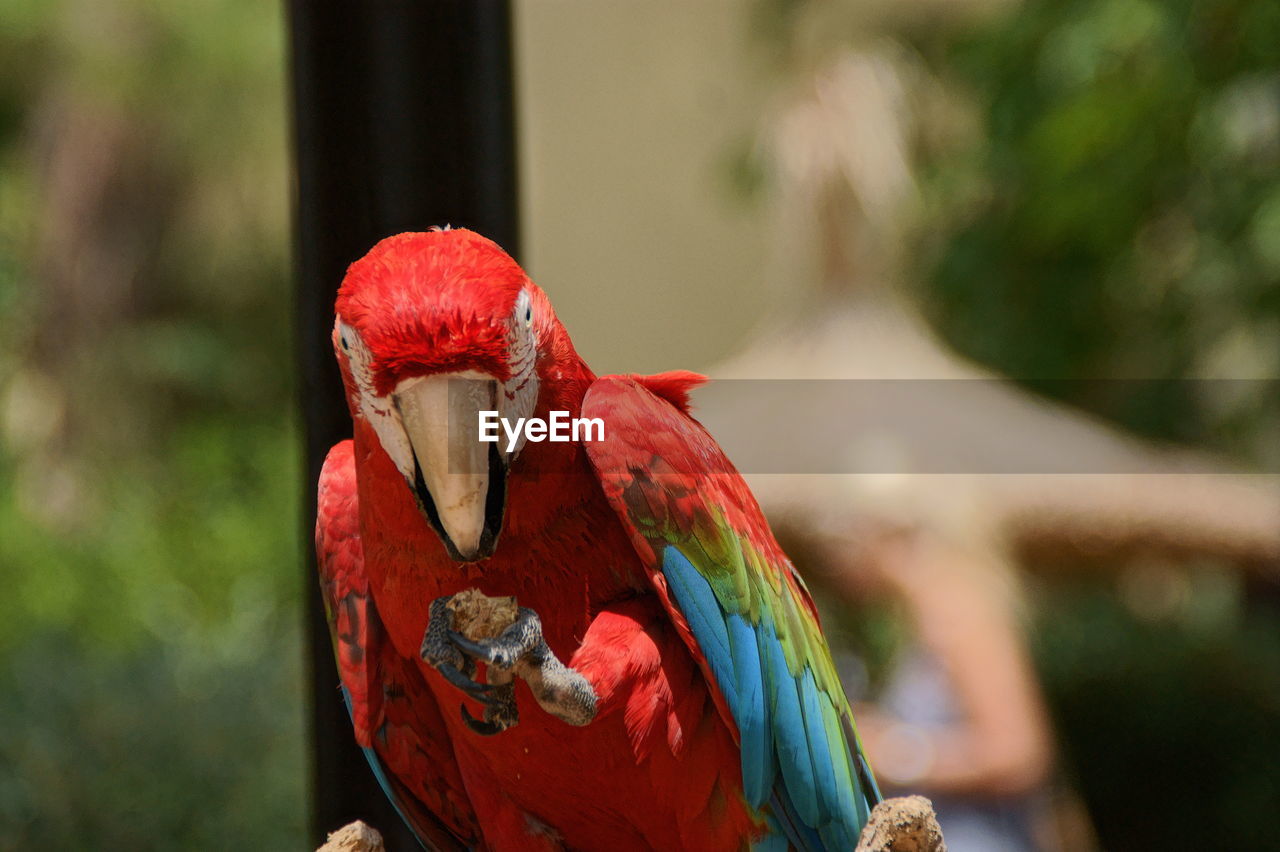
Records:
x=628, y=114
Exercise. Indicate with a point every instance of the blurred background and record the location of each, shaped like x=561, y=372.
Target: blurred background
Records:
x=1079, y=195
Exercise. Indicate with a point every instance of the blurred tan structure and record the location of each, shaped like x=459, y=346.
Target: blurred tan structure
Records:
x=842, y=148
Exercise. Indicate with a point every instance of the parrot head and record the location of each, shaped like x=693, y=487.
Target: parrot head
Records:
x=433, y=328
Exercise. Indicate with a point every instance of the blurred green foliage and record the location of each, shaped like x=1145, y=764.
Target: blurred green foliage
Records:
x=151, y=692
x=1170, y=724
x=1119, y=217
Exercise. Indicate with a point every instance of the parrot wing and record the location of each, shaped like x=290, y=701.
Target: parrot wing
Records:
x=396, y=719
x=739, y=605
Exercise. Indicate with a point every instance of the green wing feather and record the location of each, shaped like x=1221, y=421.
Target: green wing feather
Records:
x=741, y=607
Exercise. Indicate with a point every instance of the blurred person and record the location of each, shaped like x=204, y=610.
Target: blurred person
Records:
x=960, y=718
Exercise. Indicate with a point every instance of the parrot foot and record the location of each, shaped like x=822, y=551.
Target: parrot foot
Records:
x=498, y=696
x=518, y=651
x=453, y=665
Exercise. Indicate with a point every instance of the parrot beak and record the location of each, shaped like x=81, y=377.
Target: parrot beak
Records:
x=459, y=482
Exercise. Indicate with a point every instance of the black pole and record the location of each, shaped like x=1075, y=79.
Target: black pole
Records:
x=403, y=119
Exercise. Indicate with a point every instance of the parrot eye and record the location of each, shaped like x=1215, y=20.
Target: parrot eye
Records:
x=346, y=337
x=528, y=315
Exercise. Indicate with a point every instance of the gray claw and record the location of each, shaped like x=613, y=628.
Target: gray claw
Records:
x=495, y=652
x=470, y=687
x=508, y=648
x=499, y=715
x=484, y=729
x=436, y=648
x=472, y=649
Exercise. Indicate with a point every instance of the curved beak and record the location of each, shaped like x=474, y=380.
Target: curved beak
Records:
x=459, y=482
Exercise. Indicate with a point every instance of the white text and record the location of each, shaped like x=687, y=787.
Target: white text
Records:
x=558, y=427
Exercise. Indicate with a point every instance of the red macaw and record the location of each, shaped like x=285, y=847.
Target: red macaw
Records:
x=698, y=708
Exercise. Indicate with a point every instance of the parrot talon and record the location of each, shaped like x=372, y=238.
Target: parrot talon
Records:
x=484, y=728
x=472, y=649
x=500, y=713
x=436, y=648
x=478, y=691
x=516, y=644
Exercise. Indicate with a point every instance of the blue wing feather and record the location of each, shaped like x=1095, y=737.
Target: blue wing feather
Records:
x=701, y=609
x=764, y=698
x=780, y=717
x=786, y=822
x=752, y=713
x=750, y=618
x=789, y=737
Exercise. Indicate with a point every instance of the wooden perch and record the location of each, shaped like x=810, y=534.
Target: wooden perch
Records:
x=907, y=824
x=354, y=837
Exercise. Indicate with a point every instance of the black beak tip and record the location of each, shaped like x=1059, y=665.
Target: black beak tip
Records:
x=494, y=510
x=486, y=548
